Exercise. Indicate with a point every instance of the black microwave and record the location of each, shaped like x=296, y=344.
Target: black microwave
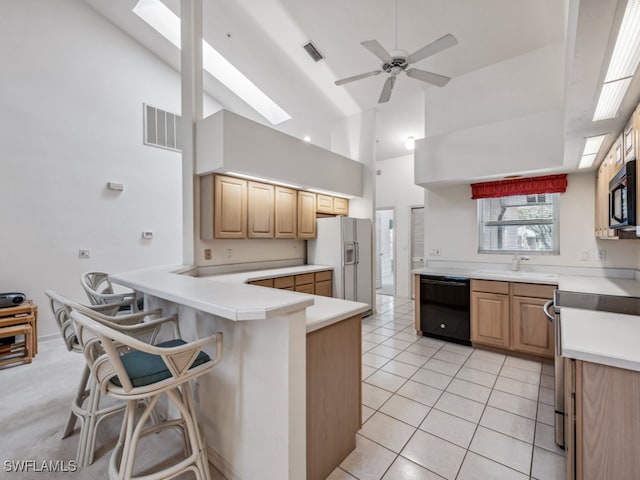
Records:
x=622, y=197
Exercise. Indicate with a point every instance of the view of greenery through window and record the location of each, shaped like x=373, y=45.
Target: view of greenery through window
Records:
x=519, y=223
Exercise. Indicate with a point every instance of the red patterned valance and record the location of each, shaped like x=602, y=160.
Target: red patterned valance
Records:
x=520, y=186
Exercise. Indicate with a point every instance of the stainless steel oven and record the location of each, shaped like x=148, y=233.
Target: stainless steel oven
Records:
x=558, y=364
x=584, y=301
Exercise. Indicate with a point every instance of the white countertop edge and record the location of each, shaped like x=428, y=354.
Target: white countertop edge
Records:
x=255, y=275
x=348, y=310
x=594, y=357
x=150, y=281
x=518, y=276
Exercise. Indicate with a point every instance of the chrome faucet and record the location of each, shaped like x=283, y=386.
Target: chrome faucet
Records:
x=515, y=263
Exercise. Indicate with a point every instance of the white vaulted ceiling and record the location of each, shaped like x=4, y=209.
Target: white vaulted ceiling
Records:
x=263, y=39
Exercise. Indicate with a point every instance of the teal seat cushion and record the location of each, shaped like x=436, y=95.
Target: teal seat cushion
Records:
x=145, y=368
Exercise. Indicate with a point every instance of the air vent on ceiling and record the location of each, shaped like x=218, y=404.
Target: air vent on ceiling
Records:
x=161, y=128
x=313, y=52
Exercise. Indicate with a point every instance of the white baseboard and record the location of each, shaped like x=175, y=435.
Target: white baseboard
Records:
x=223, y=466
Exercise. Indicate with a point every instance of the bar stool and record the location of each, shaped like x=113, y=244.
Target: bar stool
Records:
x=146, y=372
x=99, y=290
x=86, y=405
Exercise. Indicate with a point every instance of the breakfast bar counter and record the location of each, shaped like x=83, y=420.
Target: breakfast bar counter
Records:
x=283, y=353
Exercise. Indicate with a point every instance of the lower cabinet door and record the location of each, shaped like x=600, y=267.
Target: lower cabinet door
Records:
x=531, y=330
x=490, y=319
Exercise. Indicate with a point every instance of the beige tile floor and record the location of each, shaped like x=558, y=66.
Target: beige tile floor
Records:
x=434, y=409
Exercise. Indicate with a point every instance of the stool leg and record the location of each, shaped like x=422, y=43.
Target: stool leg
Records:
x=80, y=396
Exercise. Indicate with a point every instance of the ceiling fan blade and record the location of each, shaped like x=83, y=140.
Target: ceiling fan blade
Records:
x=357, y=77
x=428, y=77
x=385, y=95
x=378, y=50
x=434, y=47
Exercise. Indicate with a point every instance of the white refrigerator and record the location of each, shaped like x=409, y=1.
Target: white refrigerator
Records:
x=344, y=243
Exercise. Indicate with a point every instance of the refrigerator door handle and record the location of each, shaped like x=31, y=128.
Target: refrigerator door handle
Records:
x=357, y=252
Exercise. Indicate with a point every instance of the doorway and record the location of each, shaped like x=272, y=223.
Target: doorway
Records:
x=385, y=251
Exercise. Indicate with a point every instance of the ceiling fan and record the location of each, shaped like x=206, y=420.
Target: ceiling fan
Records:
x=398, y=61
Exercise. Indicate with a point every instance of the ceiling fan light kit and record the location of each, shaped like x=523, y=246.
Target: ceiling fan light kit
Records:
x=398, y=61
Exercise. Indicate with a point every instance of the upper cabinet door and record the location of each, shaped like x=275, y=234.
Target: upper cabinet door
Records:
x=260, y=215
x=340, y=206
x=306, y=215
x=285, y=212
x=230, y=207
x=324, y=203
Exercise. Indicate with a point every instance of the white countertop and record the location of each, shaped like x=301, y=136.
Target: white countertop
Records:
x=624, y=287
x=229, y=297
x=601, y=337
x=497, y=274
x=234, y=301
x=324, y=311
x=253, y=275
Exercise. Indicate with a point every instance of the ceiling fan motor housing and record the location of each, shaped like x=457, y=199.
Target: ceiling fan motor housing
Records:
x=398, y=62
x=396, y=66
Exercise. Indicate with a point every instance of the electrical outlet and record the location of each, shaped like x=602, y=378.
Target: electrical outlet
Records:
x=229, y=251
x=147, y=234
x=207, y=254
x=602, y=255
x=584, y=255
x=84, y=253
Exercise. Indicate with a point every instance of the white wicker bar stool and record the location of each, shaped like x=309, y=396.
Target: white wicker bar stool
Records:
x=145, y=373
x=86, y=405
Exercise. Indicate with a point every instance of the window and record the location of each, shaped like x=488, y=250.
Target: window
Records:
x=519, y=223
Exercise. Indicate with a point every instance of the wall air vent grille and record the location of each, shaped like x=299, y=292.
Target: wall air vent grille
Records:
x=161, y=128
x=313, y=52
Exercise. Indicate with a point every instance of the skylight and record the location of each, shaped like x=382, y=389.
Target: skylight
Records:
x=591, y=148
x=623, y=64
x=159, y=17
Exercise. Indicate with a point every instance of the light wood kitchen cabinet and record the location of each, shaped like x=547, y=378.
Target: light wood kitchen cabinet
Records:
x=324, y=203
x=230, y=207
x=260, y=210
x=510, y=316
x=286, y=208
x=324, y=283
x=606, y=172
x=630, y=136
x=340, y=206
x=306, y=215
x=603, y=421
x=305, y=283
x=283, y=282
x=334, y=395
x=330, y=205
x=490, y=313
x=532, y=332
x=314, y=283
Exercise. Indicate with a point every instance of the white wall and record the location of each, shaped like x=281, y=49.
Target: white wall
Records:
x=502, y=119
x=395, y=189
x=451, y=226
x=71, y=120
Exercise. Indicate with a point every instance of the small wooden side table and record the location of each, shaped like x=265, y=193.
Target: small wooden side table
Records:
x=25, y=314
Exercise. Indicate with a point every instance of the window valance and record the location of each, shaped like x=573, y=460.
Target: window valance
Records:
x=520, y=186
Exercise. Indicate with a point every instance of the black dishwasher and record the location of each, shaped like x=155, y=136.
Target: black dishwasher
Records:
x=445, y=311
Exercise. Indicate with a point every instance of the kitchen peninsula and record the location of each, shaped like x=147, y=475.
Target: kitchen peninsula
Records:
x=284, y=402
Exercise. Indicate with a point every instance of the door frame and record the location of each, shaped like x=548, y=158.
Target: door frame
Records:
x=394, y=248
x=412, y=293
